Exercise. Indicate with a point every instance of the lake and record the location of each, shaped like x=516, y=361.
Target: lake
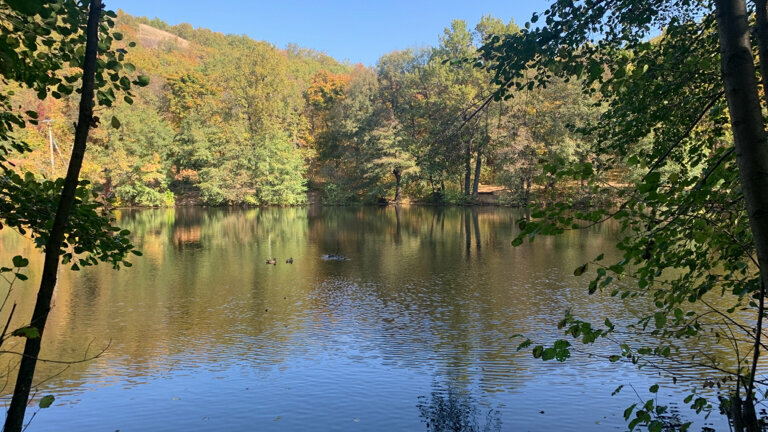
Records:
x=416, y=331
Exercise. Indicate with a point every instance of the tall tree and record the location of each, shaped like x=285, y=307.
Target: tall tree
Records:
x=669, y=92
x=461, y=91
x=134, y=158
x=15, y=418
x=32, y=204
x=387, y=151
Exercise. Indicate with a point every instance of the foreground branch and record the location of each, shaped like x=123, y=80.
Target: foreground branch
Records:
x=14, y=420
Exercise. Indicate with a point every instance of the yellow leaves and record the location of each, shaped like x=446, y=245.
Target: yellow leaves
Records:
x=153, y=166
x=325, y=87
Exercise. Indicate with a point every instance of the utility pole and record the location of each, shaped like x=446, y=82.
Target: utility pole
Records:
x=53, y=145
x=50, y=141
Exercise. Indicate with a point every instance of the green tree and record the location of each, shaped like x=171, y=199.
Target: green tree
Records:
x=238, y=132
x=263, y=106
x=134, y=157
x=387, y=151
x=194, y=107
x=694, y=239
x=542, y=138
x=40, y=38
x=410, y=99
x=341, y=145
x=461, y=91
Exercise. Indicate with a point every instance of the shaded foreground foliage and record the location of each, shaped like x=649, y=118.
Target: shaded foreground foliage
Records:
x=51, y=47
x=683, y=107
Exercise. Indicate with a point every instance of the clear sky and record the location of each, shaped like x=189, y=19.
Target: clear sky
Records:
x=354, y=30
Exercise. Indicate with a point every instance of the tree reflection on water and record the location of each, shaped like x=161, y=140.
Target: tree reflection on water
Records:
x=456, y=410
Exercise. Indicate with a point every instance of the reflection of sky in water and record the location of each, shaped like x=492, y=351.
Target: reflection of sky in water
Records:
x=412, y=333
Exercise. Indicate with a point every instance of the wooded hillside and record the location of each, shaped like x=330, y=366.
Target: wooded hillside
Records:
x=229, y=120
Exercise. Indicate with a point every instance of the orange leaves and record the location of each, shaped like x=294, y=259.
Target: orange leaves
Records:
x=326, y=87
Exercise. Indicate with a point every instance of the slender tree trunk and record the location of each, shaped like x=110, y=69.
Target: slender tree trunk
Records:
x=526, y=185
x=476, y=183
x=761, y=34
x=736, y=420
x=14, y=420
x=750, y=139
x=527, y=194
x=398, y=184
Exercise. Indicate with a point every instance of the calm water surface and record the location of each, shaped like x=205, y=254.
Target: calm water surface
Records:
x=413, y=333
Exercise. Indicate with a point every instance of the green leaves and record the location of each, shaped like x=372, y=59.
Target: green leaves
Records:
x=525, y=344
x=46, y=401
x=88, y=234
x=28, y=332
x=650, y=183
x=559, y=351
x=115, y=122
x=682, y=229
x=580, y=270
x=628, y=411
x=537, y=351
x=26, y=7
x=19, y=261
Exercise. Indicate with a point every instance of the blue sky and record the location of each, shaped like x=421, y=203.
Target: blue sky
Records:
x=358, y=31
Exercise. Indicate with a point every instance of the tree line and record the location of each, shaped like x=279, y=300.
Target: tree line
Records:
x=226, y=120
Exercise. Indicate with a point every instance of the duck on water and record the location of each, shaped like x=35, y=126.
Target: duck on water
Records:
x=326, y=257
x=334, y=257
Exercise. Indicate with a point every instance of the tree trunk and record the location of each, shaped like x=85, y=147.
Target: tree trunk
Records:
x=525, y=184
x=398, y=184
x=735, y=414
x=761, y=33
x=14, y=420
x=751, y=142
x=751, y=423
x=476, y=183
x=528, y=182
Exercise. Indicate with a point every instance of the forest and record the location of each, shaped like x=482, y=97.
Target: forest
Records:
x=226, y=120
